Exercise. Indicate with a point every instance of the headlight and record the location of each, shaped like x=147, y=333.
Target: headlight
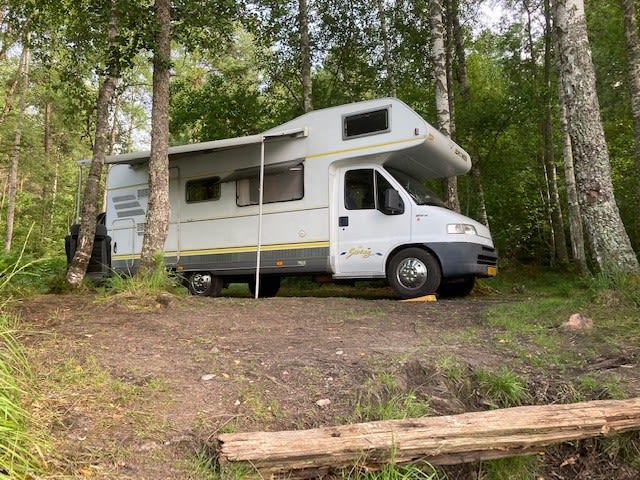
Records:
x=461, y=228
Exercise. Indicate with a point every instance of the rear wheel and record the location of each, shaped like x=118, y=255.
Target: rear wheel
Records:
x=269, y=286
x=204, y=284
x=414, y=272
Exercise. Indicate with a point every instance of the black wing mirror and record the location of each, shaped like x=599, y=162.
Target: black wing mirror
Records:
x=393, y=204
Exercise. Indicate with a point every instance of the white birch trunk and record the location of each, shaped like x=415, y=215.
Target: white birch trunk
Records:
x=442, y=93
x=608, y=239
x=305, y=52
x=633, y=55
x=22, y=80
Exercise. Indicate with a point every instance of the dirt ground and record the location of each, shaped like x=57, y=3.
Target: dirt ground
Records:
x=139, y=387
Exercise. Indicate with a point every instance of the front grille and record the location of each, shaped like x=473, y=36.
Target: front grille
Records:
x=488, y=256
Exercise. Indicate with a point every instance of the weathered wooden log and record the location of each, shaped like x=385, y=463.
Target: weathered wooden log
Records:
x=437, y=440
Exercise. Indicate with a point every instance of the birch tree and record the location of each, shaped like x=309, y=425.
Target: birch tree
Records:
x=633, y=55
x=305, y=53
x=157, y=217
x=575, y=218
x=22, y=82
x=607, y=237
x=450, y=185
x=388, y=64
x=557, y=220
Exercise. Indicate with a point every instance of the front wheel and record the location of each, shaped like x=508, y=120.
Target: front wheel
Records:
x=204, y=284
x=414, y=272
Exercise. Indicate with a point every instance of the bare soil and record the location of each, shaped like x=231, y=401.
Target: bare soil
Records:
x=139, y=387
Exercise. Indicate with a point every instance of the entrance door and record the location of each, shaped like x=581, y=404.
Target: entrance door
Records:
x=367, y=230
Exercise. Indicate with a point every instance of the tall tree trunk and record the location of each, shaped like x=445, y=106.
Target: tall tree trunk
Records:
x=575, y=218
x=112, y=141
x=22, y=79
x=157, y=218
x=388, y=64
x=449, y=185
x=557, y=221
x=80, y=262
x=449, y=59
x=465, y=95
x=633, y=54
x=608, y=240
x=476, y=178
x=305, y=52
x=48, y=181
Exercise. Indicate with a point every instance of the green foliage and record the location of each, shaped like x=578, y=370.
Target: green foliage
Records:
x=624, y=287
x=22, y=275
x=383, y=399
x=513, y=468
x=503, y=387
x=18, y=445
x=418, y=471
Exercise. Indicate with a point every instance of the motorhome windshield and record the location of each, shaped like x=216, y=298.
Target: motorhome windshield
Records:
x=420, y=194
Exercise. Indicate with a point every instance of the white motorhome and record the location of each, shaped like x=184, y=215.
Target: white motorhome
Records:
x=336, y=193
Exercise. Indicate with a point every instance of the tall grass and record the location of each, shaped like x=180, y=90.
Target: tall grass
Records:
x=19, y=447
x=17, y=443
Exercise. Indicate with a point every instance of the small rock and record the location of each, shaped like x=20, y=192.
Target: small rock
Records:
x=324, y=402
x=164, y=299
x=207, y=377
x=145, y=447
x=214, y=350
x=577, y=321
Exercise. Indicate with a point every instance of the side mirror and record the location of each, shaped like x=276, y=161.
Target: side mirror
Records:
x=393, y=204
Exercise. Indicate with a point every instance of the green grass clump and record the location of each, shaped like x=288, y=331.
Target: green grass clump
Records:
x=512, y=468
x=394, y=472
x=383, y=399
x=18, y=446
x=153, y=282
x=502, y=388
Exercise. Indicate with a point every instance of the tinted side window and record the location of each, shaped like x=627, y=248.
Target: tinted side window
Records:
x=203, y=189
x=366, y=123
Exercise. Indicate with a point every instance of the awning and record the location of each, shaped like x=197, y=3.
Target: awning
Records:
x=136, y=158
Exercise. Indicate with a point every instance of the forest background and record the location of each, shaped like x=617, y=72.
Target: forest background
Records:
x=237, y=69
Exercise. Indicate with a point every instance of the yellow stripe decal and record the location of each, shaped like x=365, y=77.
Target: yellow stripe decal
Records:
x=366, y=147
x=246, y=249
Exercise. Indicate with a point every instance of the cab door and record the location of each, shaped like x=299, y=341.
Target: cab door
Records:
x=370, y=224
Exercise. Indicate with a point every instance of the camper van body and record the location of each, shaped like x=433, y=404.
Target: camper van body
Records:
x=276, y=204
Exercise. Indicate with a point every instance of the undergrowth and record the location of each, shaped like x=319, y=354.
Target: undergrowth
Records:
x=19, y=446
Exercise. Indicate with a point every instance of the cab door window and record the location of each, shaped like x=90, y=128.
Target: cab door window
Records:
x=359, y=191
x=367, y=189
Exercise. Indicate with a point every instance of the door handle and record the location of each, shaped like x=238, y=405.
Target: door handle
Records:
x=343, y=221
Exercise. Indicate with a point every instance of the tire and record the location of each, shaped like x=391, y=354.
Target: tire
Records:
x=460, y=287
x=204, y=284
x=269, y=286
x=414, y=272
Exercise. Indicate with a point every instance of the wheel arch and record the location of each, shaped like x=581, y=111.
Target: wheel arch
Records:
x=404, y=246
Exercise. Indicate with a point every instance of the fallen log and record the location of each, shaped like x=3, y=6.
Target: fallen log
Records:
x=438, y=440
